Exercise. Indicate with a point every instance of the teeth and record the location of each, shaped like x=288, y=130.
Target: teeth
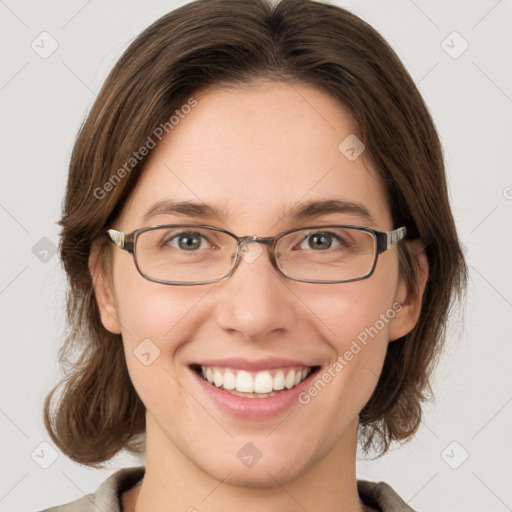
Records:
x=261, y=385
x=244, y=382
x=217, y=378
x=278, y=382
x=290, y=379
x=229, y=380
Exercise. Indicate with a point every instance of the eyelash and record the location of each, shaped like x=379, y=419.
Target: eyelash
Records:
x=341, y=242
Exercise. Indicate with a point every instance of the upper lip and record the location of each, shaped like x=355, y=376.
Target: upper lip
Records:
x=254, y=365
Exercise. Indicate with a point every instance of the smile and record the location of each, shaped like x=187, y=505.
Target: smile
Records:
x=256, y=389
x=254, y=384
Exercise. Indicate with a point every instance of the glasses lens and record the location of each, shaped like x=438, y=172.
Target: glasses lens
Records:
x=184, y=253
x=326, y=254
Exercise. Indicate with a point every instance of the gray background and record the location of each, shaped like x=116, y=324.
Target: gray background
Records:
x=470, y=96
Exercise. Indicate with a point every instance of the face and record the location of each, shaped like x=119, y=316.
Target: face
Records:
x=254, y=153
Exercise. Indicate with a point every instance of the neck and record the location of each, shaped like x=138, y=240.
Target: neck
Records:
x=172, y=482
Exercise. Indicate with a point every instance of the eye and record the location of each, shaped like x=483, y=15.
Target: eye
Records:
x=322, y=240
x=187, y=241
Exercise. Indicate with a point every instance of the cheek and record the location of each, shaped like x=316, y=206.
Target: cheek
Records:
x=342, y=388
x=361, y=310
x=361, y=341
x=355, y=321
x=151, y=310
x=155, y=325
x=156, y=321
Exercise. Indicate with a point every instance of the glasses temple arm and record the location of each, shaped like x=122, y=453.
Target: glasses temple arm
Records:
x=122, y=240
x=390, y=238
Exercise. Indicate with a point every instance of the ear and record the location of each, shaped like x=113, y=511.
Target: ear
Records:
x=407, y=317
x=103, y=291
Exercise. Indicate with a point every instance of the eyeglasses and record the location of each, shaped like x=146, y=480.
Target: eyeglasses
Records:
x=187, y=254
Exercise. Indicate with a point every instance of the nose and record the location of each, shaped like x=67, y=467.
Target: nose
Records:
x=255, y=302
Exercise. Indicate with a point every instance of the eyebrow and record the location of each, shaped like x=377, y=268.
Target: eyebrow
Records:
x=185, y=208
x=311, y=209
x=299, y=212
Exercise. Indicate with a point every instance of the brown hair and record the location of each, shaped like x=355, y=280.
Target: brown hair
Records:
x=233, y=42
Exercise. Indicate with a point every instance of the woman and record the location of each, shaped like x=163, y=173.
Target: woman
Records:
x=262, y=259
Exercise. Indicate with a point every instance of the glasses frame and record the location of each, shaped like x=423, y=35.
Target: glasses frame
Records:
x=384, y=240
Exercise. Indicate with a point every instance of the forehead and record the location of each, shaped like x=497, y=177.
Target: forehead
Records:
x=256, y=152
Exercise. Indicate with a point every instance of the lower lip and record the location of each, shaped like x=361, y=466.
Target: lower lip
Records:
x=253, y=408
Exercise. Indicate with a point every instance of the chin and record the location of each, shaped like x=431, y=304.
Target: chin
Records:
x=261, y=475
x=258, y=464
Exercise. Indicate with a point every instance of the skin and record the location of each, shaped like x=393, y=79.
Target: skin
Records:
x=253, y=151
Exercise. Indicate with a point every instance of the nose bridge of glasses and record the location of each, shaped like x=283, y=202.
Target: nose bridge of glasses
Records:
x=243, y=249
x=243, y=241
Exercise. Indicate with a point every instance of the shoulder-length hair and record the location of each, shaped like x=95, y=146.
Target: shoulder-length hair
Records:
x=94, y=412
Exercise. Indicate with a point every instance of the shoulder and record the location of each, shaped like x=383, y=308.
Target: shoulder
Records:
x=108, y=496
x=381, y=496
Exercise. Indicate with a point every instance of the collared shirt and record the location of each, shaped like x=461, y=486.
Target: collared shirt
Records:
x=380, y=496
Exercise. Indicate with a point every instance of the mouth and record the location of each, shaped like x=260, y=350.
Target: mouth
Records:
x=245, y=383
